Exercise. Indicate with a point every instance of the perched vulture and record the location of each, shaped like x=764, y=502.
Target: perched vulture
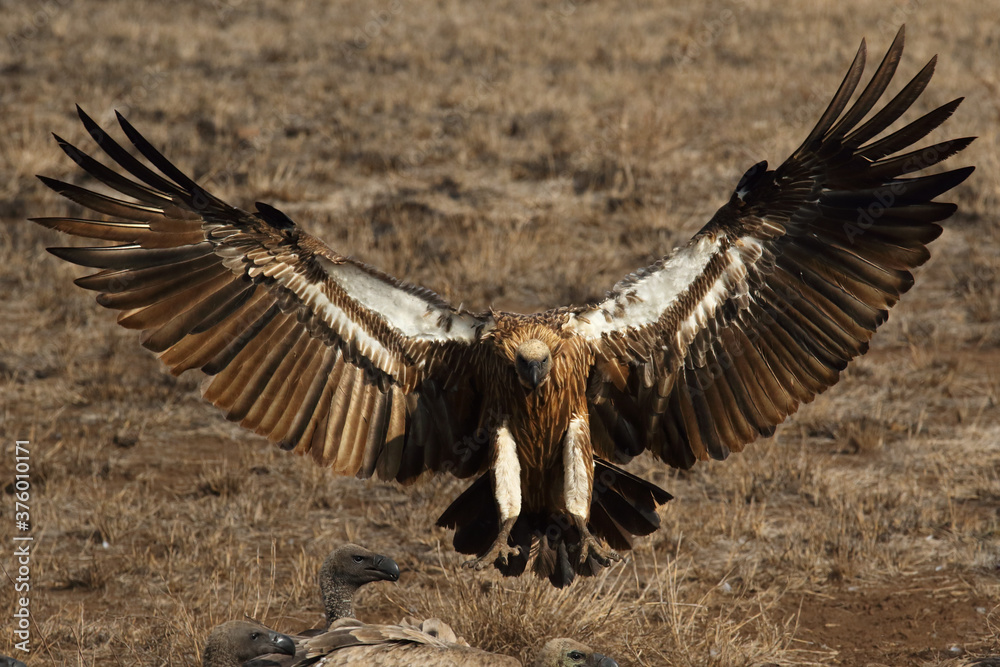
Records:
x=346, y=569
x=437, y=628
x=349, y=642
x=241, y=643
x=690, y=358
x=311, y=645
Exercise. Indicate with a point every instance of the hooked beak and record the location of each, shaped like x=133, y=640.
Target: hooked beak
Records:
x=283, y=644
x=535, y=374
x=601, y=660
x=386, y=568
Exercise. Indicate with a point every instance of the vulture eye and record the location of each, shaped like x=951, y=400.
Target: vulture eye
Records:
x=358, y=559
x=254, y=636
x=576, y=655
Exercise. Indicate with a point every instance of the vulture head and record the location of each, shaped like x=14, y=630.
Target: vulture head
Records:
x=570, y=653
x=533, y=361
x=346, y=569
x=237, y=642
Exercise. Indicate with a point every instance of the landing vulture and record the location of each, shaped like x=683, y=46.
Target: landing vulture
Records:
x=690, y=358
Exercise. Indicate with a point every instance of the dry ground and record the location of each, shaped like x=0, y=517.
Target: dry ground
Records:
x=521, y=156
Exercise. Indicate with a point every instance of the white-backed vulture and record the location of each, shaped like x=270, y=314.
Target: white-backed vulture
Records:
x=689, y=359
x=346, y=569
x=349, y=642
x=240, y=643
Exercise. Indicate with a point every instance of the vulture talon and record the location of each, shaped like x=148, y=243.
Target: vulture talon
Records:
x=500, y=552
x=590, y=546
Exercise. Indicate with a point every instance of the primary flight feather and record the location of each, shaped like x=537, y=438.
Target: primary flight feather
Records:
x=690, y=358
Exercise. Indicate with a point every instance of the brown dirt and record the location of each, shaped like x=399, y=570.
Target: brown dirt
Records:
x=925, y=616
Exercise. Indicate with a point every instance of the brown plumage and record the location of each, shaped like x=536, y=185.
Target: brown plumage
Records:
x=689, y=359
x=349, y=642
x=237, y=643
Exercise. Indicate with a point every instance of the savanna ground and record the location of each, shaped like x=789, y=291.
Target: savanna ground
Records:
x=521, y=156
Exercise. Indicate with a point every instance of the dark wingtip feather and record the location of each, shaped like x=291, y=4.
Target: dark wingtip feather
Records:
x=274, y=217
x=93, y=129
x=69, y=149
x=938, y=184
x=65, y=254
x=840, y=98
x=51, y=183
x=166, y=167
x=83, y=281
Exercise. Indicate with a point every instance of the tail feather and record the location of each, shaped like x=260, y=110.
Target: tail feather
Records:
x=627, y=499
x=474, y=517
x=617, y=536
x=623, y=505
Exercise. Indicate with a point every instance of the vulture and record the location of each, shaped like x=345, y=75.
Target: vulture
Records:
x=346, y=569
x=350, y=642
x=242, y=643
x=689, y=359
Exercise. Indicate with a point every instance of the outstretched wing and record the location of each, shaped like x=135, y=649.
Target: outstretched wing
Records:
x=317, y=351
x=719, y=342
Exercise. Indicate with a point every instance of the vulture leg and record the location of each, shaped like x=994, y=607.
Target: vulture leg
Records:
x=578, y=484
x=506, y=471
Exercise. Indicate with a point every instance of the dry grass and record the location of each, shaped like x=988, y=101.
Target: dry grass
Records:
x=520, y=156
